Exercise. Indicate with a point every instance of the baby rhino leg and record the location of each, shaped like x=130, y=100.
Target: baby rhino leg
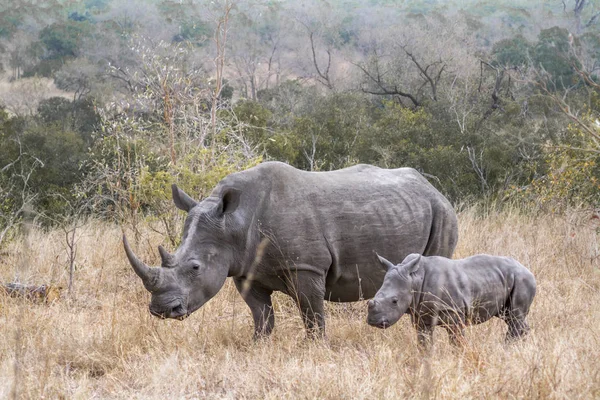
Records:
x=456, y=333
x=424, y=326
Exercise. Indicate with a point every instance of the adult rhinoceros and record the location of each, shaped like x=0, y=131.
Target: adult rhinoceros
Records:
x=310, y=235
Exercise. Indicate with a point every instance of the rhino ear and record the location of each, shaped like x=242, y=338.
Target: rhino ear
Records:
x=387, y=265
x=230, y=201
x=412, y=265
x=182, y=200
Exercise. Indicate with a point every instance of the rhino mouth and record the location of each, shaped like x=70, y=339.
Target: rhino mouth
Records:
x=177, y=312
x=182, y=317
x=382, y=323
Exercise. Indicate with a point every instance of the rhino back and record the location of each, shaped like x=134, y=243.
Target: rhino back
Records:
x=479, y=287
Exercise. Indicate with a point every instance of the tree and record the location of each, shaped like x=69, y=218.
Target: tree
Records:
x=63, y=40
x=78, y=76
x=255, y=46
x=572, y=176
x=551, y=53
x=188, y=18
x=220, y=39
x=20, y=56
x=578, y=10
x=515, y=51
x=79, y=116
x=409, y=63
x=17, y=191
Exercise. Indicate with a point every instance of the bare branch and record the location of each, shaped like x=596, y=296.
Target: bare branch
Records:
x=592, y=19
x=377, y=80
x=16, y=190
x=433, y=81
x=220, y=39
x=477, y=165
x=500, y=73
x=561, y=102
x=325, y=79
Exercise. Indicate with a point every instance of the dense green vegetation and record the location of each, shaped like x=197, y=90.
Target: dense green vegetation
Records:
x=491, y=100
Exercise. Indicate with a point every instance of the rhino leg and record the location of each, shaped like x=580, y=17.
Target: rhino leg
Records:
x=259, y=301
x=309, y=292
x=517, y=328
x=517, y=309
x=456, y=334
x=424, y=333
x=454, y=324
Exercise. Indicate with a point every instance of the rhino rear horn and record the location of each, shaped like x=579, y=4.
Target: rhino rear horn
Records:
x=167, y=259
x=150, y=276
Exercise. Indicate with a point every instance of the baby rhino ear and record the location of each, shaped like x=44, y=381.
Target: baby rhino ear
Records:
x=413, y=264
x=387, y=265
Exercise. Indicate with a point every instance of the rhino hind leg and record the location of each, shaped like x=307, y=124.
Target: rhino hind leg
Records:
x=454, y=324
x=516, y=320
x=259, y=301
x=517, y=309
x=443, y=236
x=456, y=334
x=517, y=328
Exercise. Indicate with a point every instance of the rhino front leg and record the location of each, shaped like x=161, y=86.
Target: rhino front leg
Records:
x=308, y=290
x=425, y=337
x=259, y=301
x=424, y=326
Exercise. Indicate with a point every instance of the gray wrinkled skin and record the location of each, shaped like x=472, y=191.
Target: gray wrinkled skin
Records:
x=310, y=235
x=454, y=293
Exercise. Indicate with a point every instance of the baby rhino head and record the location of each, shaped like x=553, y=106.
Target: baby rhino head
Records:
x=395, y=295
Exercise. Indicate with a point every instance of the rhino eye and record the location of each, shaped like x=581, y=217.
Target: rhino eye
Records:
x=196, y=266
x=394, y=301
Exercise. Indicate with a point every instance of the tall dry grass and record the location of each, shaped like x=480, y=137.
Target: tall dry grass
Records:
x=103, y=343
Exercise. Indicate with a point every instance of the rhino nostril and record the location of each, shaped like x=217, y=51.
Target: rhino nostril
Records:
x=177, y=310
x=372, y=303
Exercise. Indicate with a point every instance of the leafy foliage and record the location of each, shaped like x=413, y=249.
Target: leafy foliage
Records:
x=484, y=98
x=515, y=51
x=552, y=53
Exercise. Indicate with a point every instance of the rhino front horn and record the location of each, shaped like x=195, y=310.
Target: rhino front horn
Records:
x=150, y=276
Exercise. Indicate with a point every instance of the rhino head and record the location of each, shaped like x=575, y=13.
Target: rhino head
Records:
x=197, y=270
x=395, y=295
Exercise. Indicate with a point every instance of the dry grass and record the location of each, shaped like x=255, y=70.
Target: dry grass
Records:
x=103, y=343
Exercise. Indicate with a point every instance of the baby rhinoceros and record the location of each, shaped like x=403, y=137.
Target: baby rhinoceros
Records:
x=453, y=293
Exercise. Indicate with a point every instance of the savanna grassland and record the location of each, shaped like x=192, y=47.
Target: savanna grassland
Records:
x=104, y=104
x=102, y=342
